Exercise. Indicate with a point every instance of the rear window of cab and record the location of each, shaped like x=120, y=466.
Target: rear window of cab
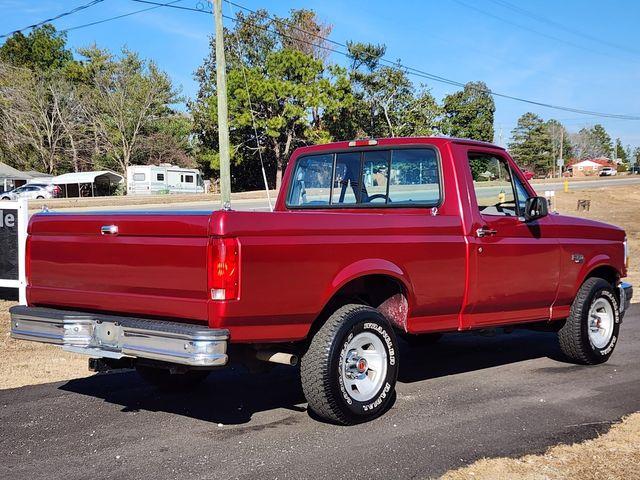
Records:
x=374, y=178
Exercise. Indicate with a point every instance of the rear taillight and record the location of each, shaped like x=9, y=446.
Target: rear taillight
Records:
x=224, y=268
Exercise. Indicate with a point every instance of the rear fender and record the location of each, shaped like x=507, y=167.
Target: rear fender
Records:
x=365, y=267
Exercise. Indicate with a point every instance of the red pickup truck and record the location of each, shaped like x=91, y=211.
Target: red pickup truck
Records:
x=369, y=240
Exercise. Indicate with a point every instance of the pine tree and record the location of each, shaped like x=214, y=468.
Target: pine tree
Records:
x=531, y=144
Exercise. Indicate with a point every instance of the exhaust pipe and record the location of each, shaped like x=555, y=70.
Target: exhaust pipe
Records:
x=277, y=357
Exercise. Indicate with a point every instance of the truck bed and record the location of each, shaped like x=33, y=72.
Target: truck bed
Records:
x=156, y=266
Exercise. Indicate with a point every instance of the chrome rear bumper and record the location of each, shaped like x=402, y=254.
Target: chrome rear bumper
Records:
x=107, y=336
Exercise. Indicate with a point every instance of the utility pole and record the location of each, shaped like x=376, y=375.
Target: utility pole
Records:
x=561, y=150
x=223, y=113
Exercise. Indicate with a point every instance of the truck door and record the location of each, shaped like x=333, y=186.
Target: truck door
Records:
x=514, y=265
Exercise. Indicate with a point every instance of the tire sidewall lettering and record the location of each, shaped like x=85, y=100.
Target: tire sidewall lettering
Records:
x=380, y=400
x=611, y=298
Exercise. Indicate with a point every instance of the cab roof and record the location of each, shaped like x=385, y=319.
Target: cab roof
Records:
x=395, y=141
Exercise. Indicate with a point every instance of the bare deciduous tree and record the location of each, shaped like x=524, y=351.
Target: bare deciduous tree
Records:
x=27, y=116
x=129, y=94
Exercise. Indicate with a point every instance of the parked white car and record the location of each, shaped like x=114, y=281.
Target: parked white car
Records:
x=608, y=172
x=31, y=191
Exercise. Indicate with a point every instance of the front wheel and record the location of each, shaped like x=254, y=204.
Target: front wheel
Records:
x=591, y=332
x=349, y=371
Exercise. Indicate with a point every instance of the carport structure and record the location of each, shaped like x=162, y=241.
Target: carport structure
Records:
x=11, y=178
x=98, y=183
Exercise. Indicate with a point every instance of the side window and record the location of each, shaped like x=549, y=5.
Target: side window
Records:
x=311, y=181
x=415, y=177
x=493, y=186
x=160, y=177
x=375, y=176
x=521, y=194
x=188, y=178
x=139, y=177
x=346, y=182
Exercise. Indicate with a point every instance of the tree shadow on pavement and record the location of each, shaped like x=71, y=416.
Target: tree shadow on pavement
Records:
x=232, y=395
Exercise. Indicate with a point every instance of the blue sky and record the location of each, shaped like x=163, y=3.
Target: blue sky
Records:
x=459, y=39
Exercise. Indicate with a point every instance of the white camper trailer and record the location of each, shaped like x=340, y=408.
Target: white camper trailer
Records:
x=164, y=178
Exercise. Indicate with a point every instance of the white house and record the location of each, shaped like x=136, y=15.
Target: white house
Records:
x=585, y=168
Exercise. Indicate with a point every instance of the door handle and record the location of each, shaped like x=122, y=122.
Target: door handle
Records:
x=485, y=232
x=109, y=230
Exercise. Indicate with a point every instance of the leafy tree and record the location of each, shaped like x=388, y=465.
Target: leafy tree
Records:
x=383, y=102
x=288, y=86
x=531, y=144
x=602, y=139
x=560, y=142
x=43, y=50
x=469, y=113
x=620, y=152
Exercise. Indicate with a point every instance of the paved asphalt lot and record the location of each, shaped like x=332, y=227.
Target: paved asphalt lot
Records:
x=468, y=397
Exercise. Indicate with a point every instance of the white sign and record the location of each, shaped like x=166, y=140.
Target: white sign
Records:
x=14, y=218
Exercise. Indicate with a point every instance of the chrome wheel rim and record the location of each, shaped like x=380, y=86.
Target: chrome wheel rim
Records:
x=601, y=320
x=364, y=368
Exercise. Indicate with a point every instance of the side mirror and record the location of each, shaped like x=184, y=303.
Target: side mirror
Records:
x=535, y=208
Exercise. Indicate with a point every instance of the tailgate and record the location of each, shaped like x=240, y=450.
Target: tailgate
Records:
x=152, y=264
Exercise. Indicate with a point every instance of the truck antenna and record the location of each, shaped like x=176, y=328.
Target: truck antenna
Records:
x=253, y=117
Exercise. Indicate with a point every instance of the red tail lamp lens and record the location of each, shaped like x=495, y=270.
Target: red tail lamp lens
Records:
x=224, y=269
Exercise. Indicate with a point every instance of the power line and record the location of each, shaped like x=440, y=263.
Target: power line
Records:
x=532, y=30
x=410, y=70
x=117, y=17
x=548, y=21
x=48, y=20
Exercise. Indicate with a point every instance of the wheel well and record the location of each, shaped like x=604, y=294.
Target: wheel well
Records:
x=605, y=272
x=378, y=291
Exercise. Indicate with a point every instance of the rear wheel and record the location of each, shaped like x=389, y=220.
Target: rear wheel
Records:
x=6, y=198
x=39, y=197
x=163, y=379
x=349, y=371
x=591, y=332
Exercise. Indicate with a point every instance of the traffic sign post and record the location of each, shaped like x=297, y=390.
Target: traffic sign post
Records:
x=14, y=218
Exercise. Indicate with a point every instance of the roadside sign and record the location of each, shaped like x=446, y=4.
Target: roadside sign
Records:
x=560, y=162
x=14, y=218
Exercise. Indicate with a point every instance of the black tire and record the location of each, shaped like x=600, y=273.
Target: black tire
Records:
x=164, y=380
x=321, y=366
x=39, y=197
x=423, y=339
x=574, y=335
x=6, y=198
